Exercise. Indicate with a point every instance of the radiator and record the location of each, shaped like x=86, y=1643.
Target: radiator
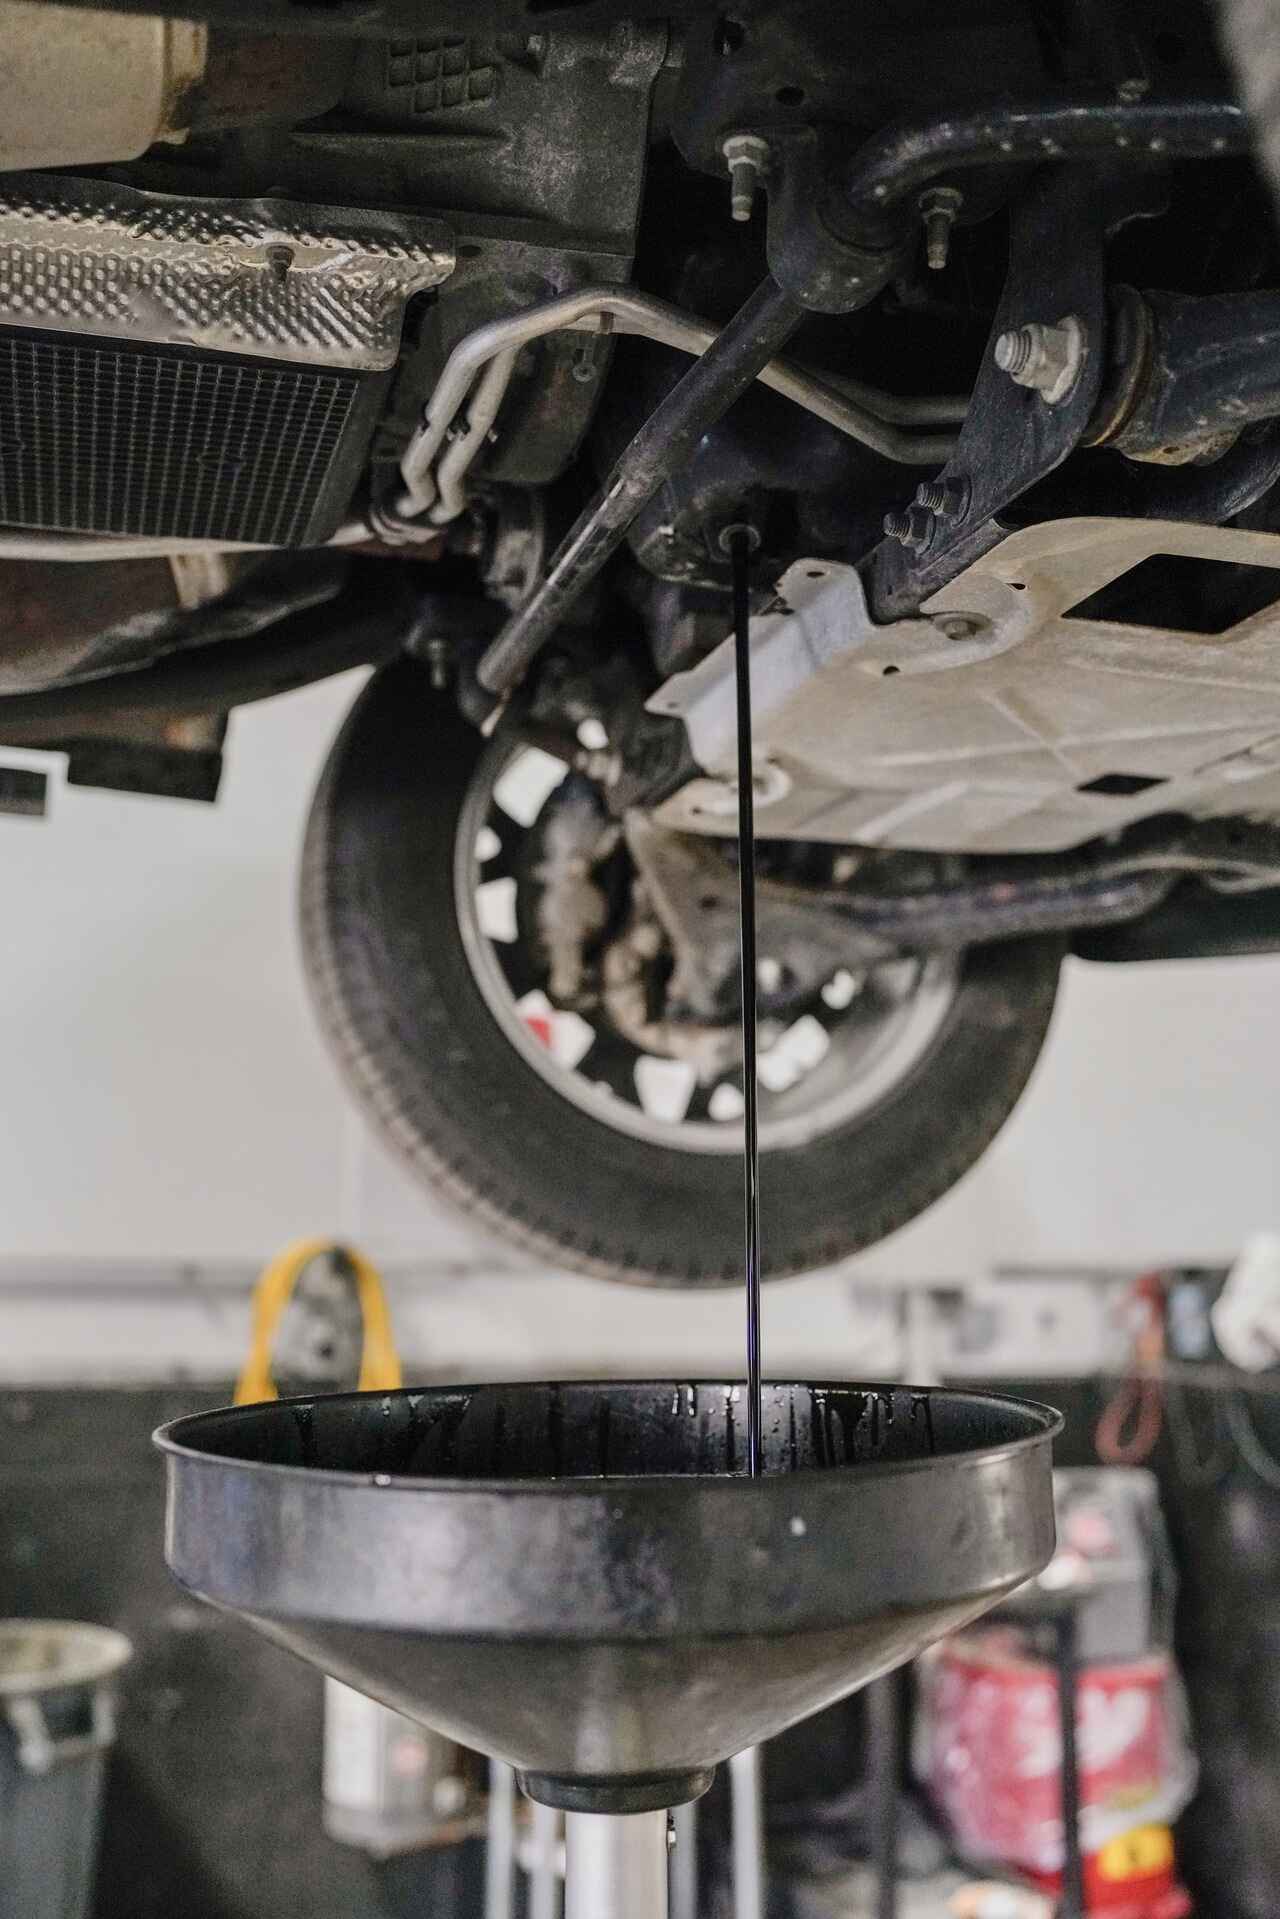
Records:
x=200, y=369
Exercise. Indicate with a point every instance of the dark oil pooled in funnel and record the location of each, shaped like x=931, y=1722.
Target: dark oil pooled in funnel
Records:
x=579, y=1578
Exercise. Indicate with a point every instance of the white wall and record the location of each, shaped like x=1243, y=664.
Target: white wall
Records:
x=166, y=1096
x=164, y=1090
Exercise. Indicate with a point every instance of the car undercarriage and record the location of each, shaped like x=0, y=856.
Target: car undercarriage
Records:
x=464, y=344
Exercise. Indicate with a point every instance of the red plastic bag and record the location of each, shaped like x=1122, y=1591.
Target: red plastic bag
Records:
x=993, y=1754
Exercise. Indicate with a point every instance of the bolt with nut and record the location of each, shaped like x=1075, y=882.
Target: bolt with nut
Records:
x=915, y=528
x=747, y=156
x=947, y=498
x=1045, y=358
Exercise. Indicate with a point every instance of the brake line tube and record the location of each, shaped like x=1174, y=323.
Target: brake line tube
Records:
x=862, y=412
x=481, y=412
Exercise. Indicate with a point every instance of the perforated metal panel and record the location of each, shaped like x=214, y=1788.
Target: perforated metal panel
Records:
x=102, y=436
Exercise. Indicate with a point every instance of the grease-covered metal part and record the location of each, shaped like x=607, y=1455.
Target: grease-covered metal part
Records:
x=836, y=240
x=884, y=913
x=904, y=158
x=277, y=279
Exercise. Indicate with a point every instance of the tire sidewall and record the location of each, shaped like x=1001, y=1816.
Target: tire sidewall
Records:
x=427, y=1058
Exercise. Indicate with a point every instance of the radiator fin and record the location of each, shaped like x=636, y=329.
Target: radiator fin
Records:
x=97, y=436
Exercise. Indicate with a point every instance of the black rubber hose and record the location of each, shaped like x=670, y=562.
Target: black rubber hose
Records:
x=345, y=632
x=667, y=440
x=896, y=164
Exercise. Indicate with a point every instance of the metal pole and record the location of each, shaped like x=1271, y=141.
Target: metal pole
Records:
x=1073, y=1898
x=544, y=1881
x=500, y=1846
x=747, y=1802
x=884, y=1760
x=684, y=1862
x=616, y=1865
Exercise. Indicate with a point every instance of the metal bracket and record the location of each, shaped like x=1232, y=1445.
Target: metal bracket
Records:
x=1012, y=436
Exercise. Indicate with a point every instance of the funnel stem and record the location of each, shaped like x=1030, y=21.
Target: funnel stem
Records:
x=616, y=1865
x=746, y=1799
x=544, y=1880
x=684, y=1862
x=500, y=1852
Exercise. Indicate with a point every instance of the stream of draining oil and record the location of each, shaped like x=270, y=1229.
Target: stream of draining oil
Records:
x=739, y=542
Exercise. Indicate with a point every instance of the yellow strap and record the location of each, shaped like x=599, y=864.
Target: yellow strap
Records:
x=379, y=1361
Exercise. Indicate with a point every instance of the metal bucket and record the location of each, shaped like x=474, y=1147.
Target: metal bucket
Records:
x=57, y=1722
x=391, y=1785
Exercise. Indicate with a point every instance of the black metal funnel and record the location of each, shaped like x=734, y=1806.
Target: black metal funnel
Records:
x=579, y=1579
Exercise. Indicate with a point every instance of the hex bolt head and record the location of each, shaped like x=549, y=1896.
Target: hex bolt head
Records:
x=938, y=209
x=1045, y=358
x=747, y=156
x=961, y=626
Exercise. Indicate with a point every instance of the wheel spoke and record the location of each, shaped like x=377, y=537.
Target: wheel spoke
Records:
x=524, y=787
x=665, y=1087
x=726, y=1101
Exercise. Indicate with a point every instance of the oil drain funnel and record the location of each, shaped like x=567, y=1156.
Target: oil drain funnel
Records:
x=581, y=1580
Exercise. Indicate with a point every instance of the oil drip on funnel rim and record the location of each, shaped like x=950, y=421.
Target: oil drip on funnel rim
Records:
x=577, y=1578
